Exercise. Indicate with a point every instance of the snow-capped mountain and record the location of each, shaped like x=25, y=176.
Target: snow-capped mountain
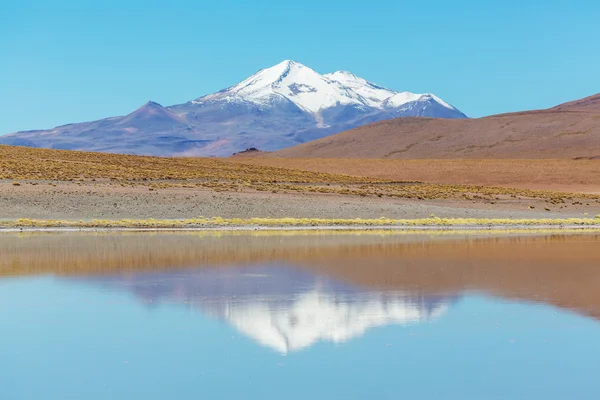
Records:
x=283, y=308
x=289, y=81
x=275, y=108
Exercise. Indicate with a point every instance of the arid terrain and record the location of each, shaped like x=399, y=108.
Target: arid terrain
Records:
x=54, y=184
x=568, y=131
x=550, y=174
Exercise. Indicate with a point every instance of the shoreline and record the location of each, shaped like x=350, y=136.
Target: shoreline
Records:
x=559, y=228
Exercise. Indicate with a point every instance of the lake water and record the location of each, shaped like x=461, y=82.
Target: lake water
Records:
x=299, y=315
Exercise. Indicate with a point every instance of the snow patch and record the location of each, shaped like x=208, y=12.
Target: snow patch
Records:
x=313, y=92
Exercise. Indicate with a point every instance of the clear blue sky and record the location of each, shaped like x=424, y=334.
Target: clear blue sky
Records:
x=77, y=60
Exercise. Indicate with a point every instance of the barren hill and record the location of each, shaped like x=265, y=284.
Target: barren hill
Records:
x=570, y=130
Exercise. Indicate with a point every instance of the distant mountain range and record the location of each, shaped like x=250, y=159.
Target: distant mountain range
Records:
x=275, y=108
x=570, y=130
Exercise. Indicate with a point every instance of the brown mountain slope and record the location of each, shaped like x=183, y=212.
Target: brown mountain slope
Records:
x=587, y=104
x=570, y=130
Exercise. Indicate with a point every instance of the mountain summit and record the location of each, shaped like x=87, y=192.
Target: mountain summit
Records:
x=289, y=81
x=275, y=108
x=313, y=92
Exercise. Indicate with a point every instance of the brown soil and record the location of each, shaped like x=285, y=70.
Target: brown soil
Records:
x=559, y=175
x=571, y=130
x=93, y=200
x=51, y=184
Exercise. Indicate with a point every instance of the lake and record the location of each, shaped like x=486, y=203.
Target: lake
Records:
x=296, y=315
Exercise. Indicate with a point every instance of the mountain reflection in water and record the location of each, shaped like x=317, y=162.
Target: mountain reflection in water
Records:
x=266, y=315
x=288, y=291
x=279, y=306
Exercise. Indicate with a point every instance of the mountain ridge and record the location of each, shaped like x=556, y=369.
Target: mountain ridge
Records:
x=568, y=130
x=275, y=108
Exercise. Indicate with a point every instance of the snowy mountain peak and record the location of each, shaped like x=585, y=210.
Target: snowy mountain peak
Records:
x=373, y=95
x=274, y=75
x=291, y=81
x=345, y=76
x=287, y=64
x=433, y=97
x=277, y=107
x=401, y=98
x=349, y=79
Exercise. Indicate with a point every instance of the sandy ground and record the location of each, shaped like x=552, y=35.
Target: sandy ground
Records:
x=109, y=201
x=581, y=176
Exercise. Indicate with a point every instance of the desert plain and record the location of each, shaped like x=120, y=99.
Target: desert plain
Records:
x=58, y=185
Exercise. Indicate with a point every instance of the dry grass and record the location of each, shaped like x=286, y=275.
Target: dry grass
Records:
x=202, y=222
x=34, y=165
x=23, y=163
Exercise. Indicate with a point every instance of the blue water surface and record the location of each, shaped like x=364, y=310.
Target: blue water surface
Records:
x=276, y=333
